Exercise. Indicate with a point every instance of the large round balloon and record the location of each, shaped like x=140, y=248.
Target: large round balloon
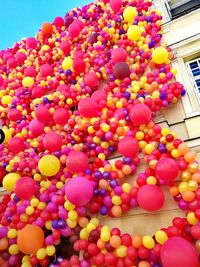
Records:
x=42, y=113
x=79, y=191
x=177, y=251
x=61, y=116
x=91, y=79
x=128, y=147
x=52, y=141
x=160, y=55
x=118, y=55
x=167, y=169
x=36, y=127
x=134, y=32
x=16, y=145
x=99, y=95
x=10, y=180
x=150, y=197
x=121, y=70
x=77, y=161
x=88, y=107
x=115, y=5
x=25, y=188
x=140, y=114
x=49, y=165
x=30, y=239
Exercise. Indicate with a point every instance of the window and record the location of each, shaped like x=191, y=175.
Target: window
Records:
x=194, y=72
x=182, y=7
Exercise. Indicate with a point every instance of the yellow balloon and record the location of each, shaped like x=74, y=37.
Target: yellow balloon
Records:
x=105, y=236
x=13, y=249
x=50, y=250
x=134, y=33
x=160, y=55
x=41, y=253
x=148, y=242
x=8, y=135
x=121, y=251
x=129, y=14
x=10, y=180
x=6, y=100
x=161, y=237
x=49, y=165
x=28, y=82
x=67, y=63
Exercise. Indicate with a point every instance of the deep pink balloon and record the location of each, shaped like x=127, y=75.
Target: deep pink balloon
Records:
x=119, y=55
x=150, y=197
x=25, y=188
x=77, y=161
x=79, y=191
x=79, y=65
x=20, y=57
x=140, y=114
x=115, y=5
x=38, y=91
x=128, y=147
x=14, y=114
x=99, y=95
x=88, y=107
x=167, y=169
x=42, y=113
x=58, y=22
x=31, y=42
x=91, y=79
x=52, y=141
x=46, y=70
x=65, y=47
x=30, y=72
x=121, y=70
x=177, y=251
x=16, y=145
x=74, y=29
x=61, y=116
x=36, y=127
x=64, y=89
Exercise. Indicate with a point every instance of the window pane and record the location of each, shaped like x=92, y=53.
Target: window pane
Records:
x=198, y=83
x=196, y=72
x=194, y=65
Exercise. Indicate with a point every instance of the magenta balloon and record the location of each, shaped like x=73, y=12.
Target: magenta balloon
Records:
x=93, y=38
x=167, y=169
x=115, y=5
x=37, y=91
x=52, y=141
x=42, y=113
x=74, y=29
x=79, y=191
x=121, y=70
x=77, y=161
x=128, y=147
x=65, y=47
x=20, y=57
x=91, y=79
x=99, y=95
x=61, y=116
x=25, y=188
x=119, y=55
x=14, y=114
x=150, y=197
x=31, y=42
x=178, y=252
x=30, y=72
x=36, y=127
x=16, y=145
x=46, y=70
x=88, y=107
x=79, y=65
x=140, y=114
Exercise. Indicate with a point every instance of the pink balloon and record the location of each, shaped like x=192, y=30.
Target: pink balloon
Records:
x=65, y=47
x=79, y=191
x=77, y=161
x=79, y=65
x=25, y=188
x=30, y=72
x=12, y=62
x=64, y=89
x=177, y=251
x=58, y=22
x=31, y=42
x=150, y=197
x=128, y=147
x=121, y=70
x=91, y=79
x=37, y=91
x=88, y=107
x=36, y=127
x=115, y=5
x=167, y=169
x=74, y=29
x=16, y=145
x=52, y=141
x=99, y=95
x=119, y=55
x=140, y=114
x=61, y=116
x=14, y=114
x=46, y=70
x=20, y=57
x=42, y=113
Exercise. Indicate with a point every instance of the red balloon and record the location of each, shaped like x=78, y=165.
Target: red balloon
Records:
x=140, y=114
x=128, y=147
x=42, y=113
x=79, y=65
x=61, y=116
x=167, y=169
x=121, y=70
x=52, y=141
x=119, y=55
x=25, y=188
x=115, y=5
x=14, y=114
x=36, y=127
x=88, y=107
x=20, y=57
x=99, y=95
x=77, y=161
x=37, y=91
x=30, y=72
x=150, y=197
x=74, y=29
x=177, y=251
x=65, y=47
x=91, y=79
x=46, y=70
x=58, y=22
x=16, y=145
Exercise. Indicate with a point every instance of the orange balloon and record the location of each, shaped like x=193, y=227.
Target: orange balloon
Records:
x=115, y=241
x=30, y=239
x=188, y=196
x=3, y=244
x=47, y=28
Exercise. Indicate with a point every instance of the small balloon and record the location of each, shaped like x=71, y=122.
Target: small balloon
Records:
x=77, y=161
x=128, y=147
x=25, y=188
x=88, y=107
x=140, y=114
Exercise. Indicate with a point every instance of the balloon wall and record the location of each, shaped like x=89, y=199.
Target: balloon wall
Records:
x=86, y=86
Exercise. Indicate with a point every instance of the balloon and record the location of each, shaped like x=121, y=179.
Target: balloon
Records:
x=37, y=91
x=93, y=38
x=177, y=251
x=30, y=71
x=119, y=55
x=79, y=65
x=58, y=22
x=99, y=95
x=74, y=29
x=49, y=165
x=88, y=107
x=28, y=82
x=61, y=116
x=25, y=188
x=77, y=161
x=16, y=145
x=10, y=180
x=42, y=113
x=36, y=127
x=67, y=63
x=134, y=33
x=52, y=141
x=91, y=79
x=31, y=42
x=128, y=147
x=65, y=47
x=160, y=55
x=14, y=114
x=115, y=5
x=140, y=114
x=79, y=191
x=30, y=239
x=46, y=70
x=129, y=14
x=121, y=70
x=47, y=28
x=167, y=169
x=150, y=197
x=6, y=100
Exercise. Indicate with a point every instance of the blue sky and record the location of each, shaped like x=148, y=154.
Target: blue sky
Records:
x=23, y=18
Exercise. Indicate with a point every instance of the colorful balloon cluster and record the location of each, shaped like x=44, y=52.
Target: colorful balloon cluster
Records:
x=86, y=86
